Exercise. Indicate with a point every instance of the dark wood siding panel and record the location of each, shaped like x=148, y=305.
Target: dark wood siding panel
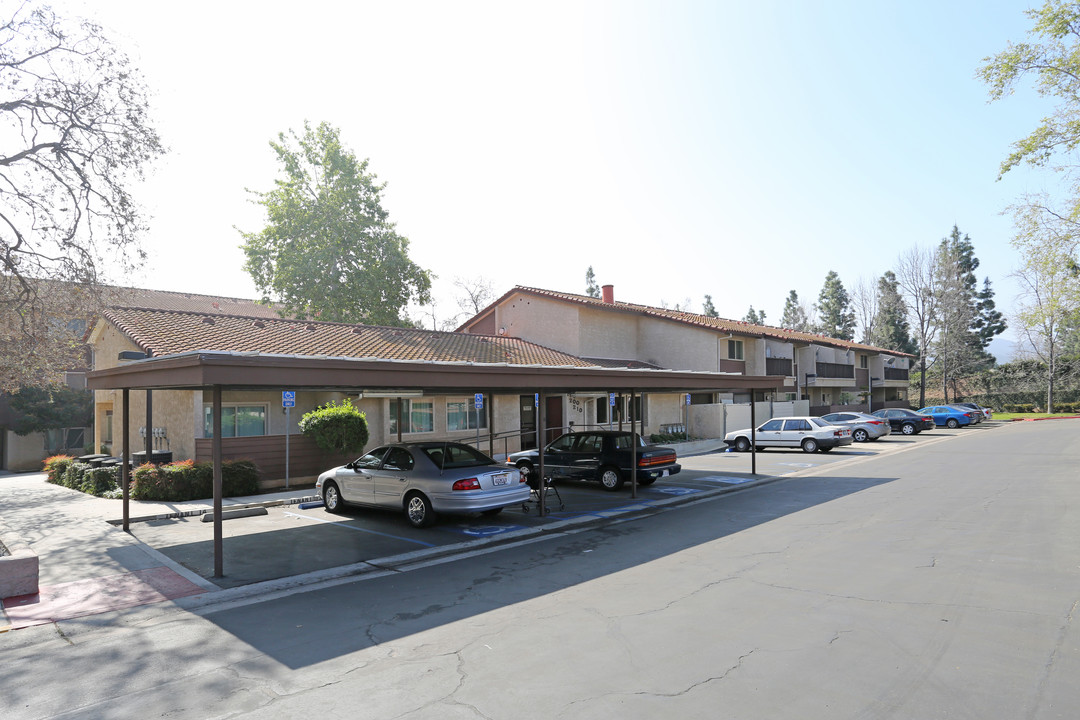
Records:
x=268, y=454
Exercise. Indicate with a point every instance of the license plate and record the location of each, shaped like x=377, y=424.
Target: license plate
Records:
x=501, y=479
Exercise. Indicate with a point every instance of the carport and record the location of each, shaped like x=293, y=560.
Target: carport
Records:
x=219, y=371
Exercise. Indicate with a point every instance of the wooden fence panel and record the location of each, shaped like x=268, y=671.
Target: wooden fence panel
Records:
x=268, y=454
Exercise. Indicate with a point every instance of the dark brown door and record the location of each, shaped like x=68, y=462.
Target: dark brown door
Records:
x=528, y=421
x=554, y=418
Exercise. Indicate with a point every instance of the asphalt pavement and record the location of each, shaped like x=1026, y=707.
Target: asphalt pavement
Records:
x=89, y=565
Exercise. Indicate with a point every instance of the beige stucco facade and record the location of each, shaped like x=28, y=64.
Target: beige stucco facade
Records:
x=619, y=332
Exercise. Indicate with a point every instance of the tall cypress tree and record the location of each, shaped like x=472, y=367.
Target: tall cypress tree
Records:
x=835, y=317
x=794, y=317
x=891, y=329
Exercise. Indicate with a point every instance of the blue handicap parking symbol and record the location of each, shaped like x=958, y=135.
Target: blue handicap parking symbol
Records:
x=482, y=530
x=676, y=490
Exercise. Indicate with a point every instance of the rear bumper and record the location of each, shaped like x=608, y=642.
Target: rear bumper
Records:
x=467, y=501
x=835, y=442
x=656, y=473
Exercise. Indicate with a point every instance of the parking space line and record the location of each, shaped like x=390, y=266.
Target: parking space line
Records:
x=358, y=529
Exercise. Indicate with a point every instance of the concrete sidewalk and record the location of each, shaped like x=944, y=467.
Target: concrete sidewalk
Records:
x=88, y=564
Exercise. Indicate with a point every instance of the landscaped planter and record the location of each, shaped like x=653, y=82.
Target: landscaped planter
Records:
x=18, y=566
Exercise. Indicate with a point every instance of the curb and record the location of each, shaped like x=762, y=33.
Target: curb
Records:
x=416, y=559
x=210, y=511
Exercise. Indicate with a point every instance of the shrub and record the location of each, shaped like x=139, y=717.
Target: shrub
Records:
x=187, y=480
x=336, y=427
x=99, y=481
x=73, y=476
x=55, y=466
x=661, y=438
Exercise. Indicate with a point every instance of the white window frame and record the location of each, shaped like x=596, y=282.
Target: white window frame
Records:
x=208, y=420
x=735, y=349
x=470, y=411
x=407, y=416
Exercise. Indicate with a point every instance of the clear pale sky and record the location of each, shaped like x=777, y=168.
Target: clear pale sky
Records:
x=735, y=149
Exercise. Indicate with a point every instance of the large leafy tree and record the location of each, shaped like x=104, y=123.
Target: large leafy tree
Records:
x=795, y=316
x=890, y=328
x=77, y=136
x=1049, y=310
x=329, y=250
x=1052, y=59
x=835, y=317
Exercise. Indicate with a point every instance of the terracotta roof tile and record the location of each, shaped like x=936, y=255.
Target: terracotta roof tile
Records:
x=168, y=332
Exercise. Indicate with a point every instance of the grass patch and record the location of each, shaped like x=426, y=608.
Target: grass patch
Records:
x=1006, y=417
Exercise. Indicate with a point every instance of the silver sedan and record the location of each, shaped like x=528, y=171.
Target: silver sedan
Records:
x=863, y=427
x=424, y=479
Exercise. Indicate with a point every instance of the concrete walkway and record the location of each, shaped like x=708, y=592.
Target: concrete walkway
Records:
x=88, y=564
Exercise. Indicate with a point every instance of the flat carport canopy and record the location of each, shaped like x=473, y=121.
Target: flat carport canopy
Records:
x=218, y=371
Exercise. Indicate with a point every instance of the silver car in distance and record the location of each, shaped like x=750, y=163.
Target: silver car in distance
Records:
x=424, y=479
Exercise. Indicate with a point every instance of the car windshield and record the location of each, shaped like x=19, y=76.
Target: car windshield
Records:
x=454, y=455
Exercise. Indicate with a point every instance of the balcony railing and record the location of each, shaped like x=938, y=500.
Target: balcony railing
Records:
x=896, y=373
x=778, y=366
x=835, y=370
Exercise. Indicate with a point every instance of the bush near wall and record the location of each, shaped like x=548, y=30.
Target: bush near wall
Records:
x=173, y=482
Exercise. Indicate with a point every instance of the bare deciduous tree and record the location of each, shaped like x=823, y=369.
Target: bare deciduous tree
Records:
x=76, y=134
x=917, y=282
x=864, y=302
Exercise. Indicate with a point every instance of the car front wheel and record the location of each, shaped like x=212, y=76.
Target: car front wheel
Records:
x=331, y=498
x=611, y=478
x=809, y=445
x=419, y=511
x=907, y=429
x=742, y=445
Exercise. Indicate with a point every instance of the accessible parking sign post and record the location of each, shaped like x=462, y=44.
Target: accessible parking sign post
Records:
x=288, y=401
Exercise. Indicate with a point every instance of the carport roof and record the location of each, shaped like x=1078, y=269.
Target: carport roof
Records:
x=252, y=370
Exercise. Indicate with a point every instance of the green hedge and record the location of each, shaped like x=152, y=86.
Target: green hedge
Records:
x=173, y=482
x=1064, y=407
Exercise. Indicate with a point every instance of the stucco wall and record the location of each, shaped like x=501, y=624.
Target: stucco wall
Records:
x=539, y=320
x=607, y=334
x=23, y=453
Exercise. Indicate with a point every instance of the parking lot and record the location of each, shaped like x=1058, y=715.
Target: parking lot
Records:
x=292, y=540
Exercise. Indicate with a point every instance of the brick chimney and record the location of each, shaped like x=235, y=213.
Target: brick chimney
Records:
x=608, y=294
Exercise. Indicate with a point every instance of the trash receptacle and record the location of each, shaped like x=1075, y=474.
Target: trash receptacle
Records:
x=157, y=457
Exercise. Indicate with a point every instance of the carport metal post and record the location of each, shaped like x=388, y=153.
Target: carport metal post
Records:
x=125, y=468
x=490, y=422
x=753, y=434
x=399, y=403
x=541, y=411
x=633, y=448
x=149, y=426
x=218, y=552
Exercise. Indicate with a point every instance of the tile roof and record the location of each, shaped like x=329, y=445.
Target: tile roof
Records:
x=167, y=300
x=719, y=324
x=168, y=332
